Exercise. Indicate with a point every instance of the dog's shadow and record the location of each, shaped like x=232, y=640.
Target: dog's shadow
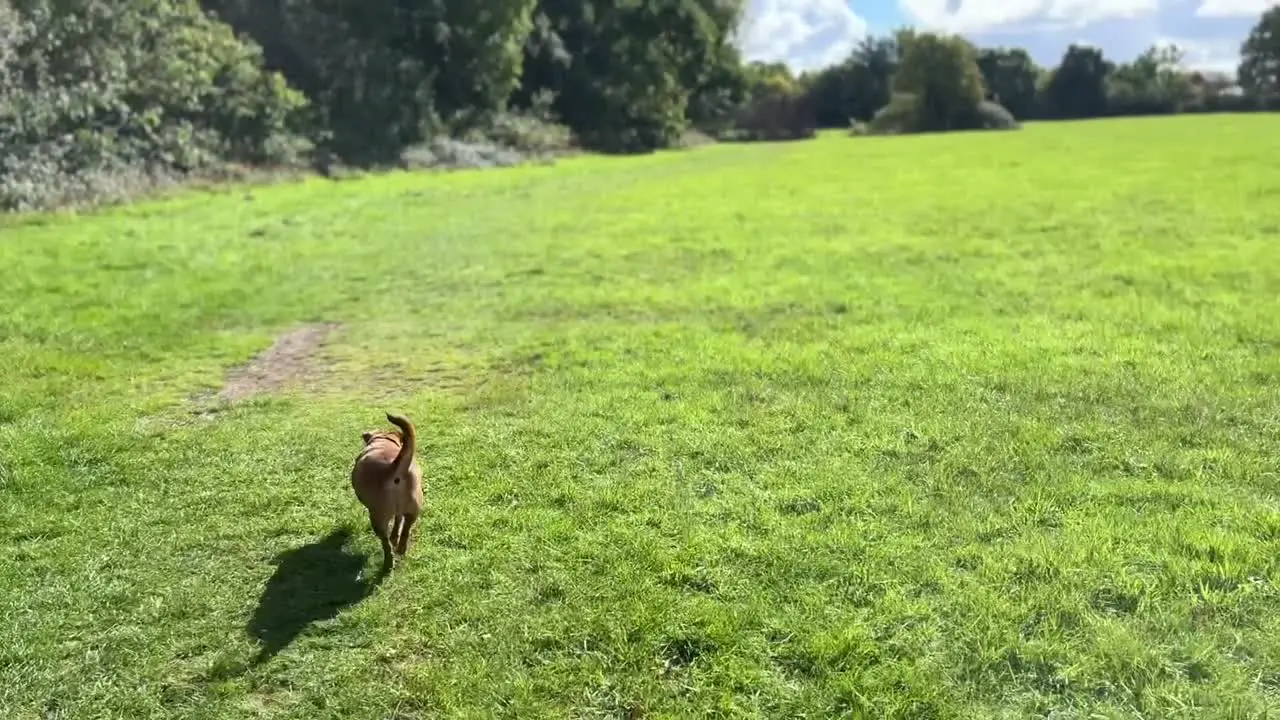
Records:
x=311, y=583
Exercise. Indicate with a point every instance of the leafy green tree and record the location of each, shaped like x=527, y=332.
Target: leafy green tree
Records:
x=472, y=51
x=624, y=71
x=369, y=100
x=875, y=61
x=1259, y=72
x=771, y=78
x=941, y=73
x=856, y=88
x=725, y=89
x=1010, y=76
x=1077, y=88
x=829, y=91
x=387, y=73
x=1153, y=83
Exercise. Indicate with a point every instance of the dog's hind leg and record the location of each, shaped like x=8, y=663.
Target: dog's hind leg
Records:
x=396, y=530
x=382, y=528
x=402, y=543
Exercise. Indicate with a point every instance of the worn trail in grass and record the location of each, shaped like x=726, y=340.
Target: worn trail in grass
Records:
x=956, y=426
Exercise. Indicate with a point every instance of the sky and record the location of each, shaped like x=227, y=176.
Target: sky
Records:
x=808, y=34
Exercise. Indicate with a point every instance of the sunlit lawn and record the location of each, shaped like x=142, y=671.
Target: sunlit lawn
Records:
x=977, y=425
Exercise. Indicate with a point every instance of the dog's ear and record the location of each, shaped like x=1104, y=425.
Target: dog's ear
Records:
x=366, y=436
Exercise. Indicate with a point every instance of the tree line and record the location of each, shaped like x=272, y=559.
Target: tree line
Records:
x=1084, y=84
x=98, y=94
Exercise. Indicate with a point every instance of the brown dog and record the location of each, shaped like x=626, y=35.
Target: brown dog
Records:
x=388, y=483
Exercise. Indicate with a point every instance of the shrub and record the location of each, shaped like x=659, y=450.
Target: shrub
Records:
x=525, y=133
x=694, y=138
x=777, y=115
x=500, y=140
x=102, y=99
x=986, y=115
x=903, y=114
x=452, y=154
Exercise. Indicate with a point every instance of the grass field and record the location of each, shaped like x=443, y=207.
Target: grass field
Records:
x=955, y=426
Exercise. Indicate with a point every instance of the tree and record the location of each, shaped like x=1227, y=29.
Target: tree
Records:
x=718, y=97
x=474, y=50
x=1259, y=72
x=770, y=78
x=778, y=106
x=856, y=88
x=624, y=71
x=1010, y=76
x=828, y=91
x=875, y=61
x=941, y=73
x=387, y=73
x=1154, y=82
x=779, y=115
x=1077, y=88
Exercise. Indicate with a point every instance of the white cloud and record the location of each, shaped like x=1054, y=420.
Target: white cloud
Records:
x=1208, y=54
x=1233, y=8
x=805, y=34
x=808, y=34
x=968, y=16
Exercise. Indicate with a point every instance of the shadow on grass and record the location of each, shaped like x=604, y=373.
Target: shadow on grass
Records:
x=311, y=583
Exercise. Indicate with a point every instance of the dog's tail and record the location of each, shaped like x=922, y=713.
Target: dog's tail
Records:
x=408, y=442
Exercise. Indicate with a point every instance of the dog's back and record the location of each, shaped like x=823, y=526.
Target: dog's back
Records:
x=374, y=484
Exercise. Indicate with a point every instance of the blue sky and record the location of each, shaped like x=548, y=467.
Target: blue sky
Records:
x=812, y=33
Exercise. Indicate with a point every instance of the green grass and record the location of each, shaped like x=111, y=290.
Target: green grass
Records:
x=926, y=427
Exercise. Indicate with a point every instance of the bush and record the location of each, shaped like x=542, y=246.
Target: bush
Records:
x=987, y=115
x=775, y=116
x=501, y=140
x=453, y=154
x=525, y=133
x=99, y=100
x=903, y=115
x=694, y=138
x=504, y=140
